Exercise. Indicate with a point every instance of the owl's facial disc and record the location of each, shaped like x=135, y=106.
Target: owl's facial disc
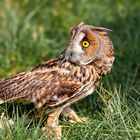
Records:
x=83, y=48
x=91, y=47
x=74, y=50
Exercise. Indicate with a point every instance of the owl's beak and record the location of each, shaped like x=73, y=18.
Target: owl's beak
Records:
x=72, y=56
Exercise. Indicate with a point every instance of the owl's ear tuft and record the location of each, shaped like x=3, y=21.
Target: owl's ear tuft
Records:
x=101, y=30
x=73, y=29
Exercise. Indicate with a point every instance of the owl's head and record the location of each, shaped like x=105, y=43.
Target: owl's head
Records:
x=87, y=44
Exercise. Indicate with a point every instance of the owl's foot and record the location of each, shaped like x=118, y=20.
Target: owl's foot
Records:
x=4, y=121
x=53, y=131
x=8, y=123
x=72, y=116
x=52, y=127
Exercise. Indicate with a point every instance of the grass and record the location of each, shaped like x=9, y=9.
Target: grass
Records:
x=35, y=31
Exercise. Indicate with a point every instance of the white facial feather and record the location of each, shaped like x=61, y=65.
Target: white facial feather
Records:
x=74, y=50
x=76, y=43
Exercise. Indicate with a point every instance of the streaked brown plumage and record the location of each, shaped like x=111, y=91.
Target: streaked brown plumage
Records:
x=56, y=84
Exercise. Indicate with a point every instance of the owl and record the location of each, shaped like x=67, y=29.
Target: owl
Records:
x=56, y=84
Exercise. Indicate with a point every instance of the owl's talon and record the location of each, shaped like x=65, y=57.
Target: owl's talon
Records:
x=8, y=123
x=72, y=121
x=82, y=120
x=51, y=127
x=52, y=131
x=71, y=115
x=85, y=119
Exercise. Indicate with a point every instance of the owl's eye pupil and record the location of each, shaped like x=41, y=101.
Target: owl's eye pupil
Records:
x=85, y=44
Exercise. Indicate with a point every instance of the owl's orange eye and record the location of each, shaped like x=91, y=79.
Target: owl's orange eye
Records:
x=85, y=44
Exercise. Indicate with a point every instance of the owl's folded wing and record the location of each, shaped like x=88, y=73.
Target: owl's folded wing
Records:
x=43, y=87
